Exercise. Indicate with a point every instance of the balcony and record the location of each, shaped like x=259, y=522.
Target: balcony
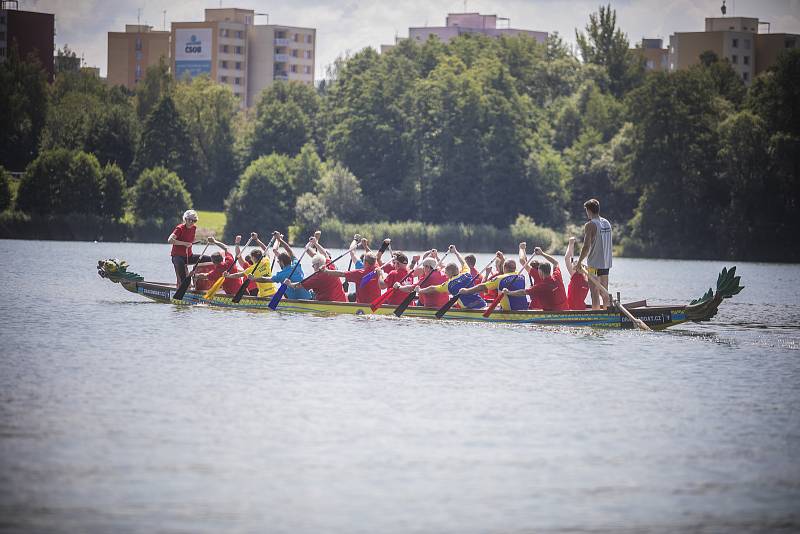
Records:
x=282, y=58
x=281, y=41
x=280, y=76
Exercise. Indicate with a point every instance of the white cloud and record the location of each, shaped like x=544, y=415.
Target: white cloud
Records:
x=350, y=25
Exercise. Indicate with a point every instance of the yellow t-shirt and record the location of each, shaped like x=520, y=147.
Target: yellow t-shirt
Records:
x=264, y=269
x=495, y=284
x=442, y=288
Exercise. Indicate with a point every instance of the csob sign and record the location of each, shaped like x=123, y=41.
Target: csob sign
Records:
x=192, y=52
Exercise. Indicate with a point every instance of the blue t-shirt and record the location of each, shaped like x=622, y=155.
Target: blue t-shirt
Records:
x=283, y=274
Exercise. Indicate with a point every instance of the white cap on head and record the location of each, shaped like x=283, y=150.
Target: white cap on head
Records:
x=189, y=214
x=429, y=262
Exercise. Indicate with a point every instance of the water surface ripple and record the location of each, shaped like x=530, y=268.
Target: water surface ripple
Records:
x=122, y=415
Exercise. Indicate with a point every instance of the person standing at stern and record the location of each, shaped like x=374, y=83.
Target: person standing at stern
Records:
x=596, y=250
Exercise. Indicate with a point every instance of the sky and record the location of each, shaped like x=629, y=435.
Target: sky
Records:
x=346, y=26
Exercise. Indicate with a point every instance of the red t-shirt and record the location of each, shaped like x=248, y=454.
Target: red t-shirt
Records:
x=326, y=287
x=547, y=293
x=231, y=285
x=387, y=267
x=435, y=299
x=183, y=234
x=370, y=291
x=397, y=276
x=576, y=291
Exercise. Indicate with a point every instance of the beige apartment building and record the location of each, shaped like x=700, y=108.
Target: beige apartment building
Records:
x=735, y=39
x=132, y=51
x=460, y=23
x=232, y=50
x=656, y=57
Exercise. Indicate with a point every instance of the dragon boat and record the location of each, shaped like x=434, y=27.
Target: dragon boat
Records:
x=656, y=317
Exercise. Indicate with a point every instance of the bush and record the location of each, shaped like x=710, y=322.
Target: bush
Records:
x=61, y=181
x=524, y=229
x=5, y=189
x=262, y=201
x=113, y=191
x=160, y=194
x=309, y=213
x=339, y=191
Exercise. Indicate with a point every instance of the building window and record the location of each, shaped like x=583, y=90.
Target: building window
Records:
x=223, y=64
x=307, y=69
x=735, y=43
x=734, y=59
x=296, y=37
x=238, y=50
x=746, y=44
x=2, y=19
x=240, y=35
x=280, y=35
x=295, y=53
x=223, y=49
x=138, y=43
x=745, y=60
x=138, y=55
x=237, y=81
x=138, y=72
x=745, y=76
x=307, y=54
x=223, y=79
x=3, y=51
x=238, y=65
x=294, y=68
x=309, y=38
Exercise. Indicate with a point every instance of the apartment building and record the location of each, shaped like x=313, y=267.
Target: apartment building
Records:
x=656, y=57
x=460, y=23
x=232, y=50
x=132, y=51
x=31, y=33
x=736, y=39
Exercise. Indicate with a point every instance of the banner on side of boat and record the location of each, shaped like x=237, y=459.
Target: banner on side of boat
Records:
x=649, y=319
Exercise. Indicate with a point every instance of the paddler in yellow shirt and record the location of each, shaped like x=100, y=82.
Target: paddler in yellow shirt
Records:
x=261, y=268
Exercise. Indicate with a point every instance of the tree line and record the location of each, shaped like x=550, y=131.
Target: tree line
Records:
x=480, y=131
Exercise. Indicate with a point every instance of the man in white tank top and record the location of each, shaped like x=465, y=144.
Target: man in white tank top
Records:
x=597, y=250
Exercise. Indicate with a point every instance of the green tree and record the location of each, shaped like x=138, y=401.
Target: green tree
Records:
x=114, y=191
x=157, y=83
x=284, y=122
x=209, y=110
x=308, y=170
x=5, y=189
x=165, y=142
x=340, y=192
x=23, y=107
x=59, y=182
x=262, y=201
x=309, y=213
x=160, y=194
x=606, y=45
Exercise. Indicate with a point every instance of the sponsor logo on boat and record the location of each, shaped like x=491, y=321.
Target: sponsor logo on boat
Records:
x=160, y=293
x=650, y=319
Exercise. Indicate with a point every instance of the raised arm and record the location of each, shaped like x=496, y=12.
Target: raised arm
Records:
x=546, y=256
x=461, y=262
x=569, y=256
x=523, y=253
x=386, y=244
x=285, y=246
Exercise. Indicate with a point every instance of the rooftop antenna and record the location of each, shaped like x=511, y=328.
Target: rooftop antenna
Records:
x=164, y=20
x=723, y=8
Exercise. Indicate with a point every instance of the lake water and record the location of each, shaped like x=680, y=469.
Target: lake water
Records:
x=118, y=414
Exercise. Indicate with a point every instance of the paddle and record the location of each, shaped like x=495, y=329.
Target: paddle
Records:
x=369, y=276
x=378, y=302
x=214, y=288
x=353, y=245
x=450, y=303
x=240, y=293
x=327, y=264
x=188, y=278
x=638, y=322
x=413, y=294
x=276, y=298
x=500, y=293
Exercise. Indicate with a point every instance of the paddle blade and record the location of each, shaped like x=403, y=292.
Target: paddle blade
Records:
x=493, y=305
x=378, y=302
x=182, y=288
x=240, y=293
x=444, y=309
x=213, y=289
x=276, y=298
x=405, y=304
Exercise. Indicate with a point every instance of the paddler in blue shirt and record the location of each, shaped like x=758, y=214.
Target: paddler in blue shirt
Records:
x=287, y=261
x=458, y=279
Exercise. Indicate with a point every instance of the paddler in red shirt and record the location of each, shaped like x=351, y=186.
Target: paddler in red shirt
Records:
x=325, y=288
x=433, y=267
x=400, y=275
x=547, y=292
x=370, y=290
x=181, y=239
x=578, y=286
x=221, y=264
